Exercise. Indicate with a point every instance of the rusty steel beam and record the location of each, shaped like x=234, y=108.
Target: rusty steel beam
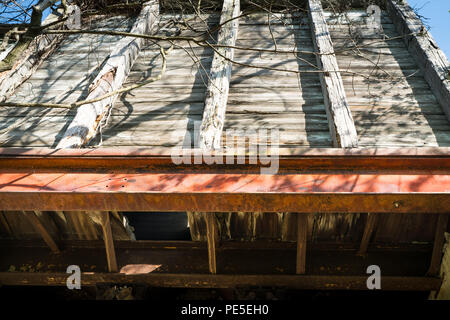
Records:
x=244, y=193
x=224, y=281
x=324, y=181
x=290, y=160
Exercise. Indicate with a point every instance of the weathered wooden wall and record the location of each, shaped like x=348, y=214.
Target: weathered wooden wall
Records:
x=62, y=225
x=391, y=228
x=341, y=227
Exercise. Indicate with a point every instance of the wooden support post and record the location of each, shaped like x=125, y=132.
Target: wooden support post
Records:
x=439, y=238
x=109, y=242
x=37, y=224
x=219, y=78
x=432, y=61
x=211, y=235
x=302, y=235
x=444, y=291
x=110, y=78
x=340, y=120
x=371, y=223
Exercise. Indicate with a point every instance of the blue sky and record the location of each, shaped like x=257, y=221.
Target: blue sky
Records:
x=438, y=19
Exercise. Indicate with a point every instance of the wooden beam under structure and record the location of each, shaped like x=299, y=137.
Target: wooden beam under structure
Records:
x=219, y=78
x=371, y=223
x=302, y=235
x=109, y=242
x=432, y=61
x=439, y=240
x=340, y=120
x=40, y=228
x=111, y=78
x=212, y=236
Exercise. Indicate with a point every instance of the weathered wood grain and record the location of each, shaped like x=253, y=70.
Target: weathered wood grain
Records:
x=216, y=96
x=41, y=47
x=444, y=291
x=342, y=128
x=212, y=236
x=109, y=242
x=439, y=240
x=371, y=223
x=424, y=49
x=111, y=77
x=302, y=235
x=46, y=236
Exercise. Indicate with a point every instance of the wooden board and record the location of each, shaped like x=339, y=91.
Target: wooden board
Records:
x=425, y=51
x=342, y=127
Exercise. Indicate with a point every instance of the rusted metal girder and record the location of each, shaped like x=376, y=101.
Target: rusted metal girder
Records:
x=308, y=180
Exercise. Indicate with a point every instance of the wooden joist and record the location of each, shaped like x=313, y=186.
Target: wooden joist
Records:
x=40, y=228
x=372, y=220
x=111, y=78
x=431, y=60
x=219, y=78
x=342, y=127
x=302, y=234
x=211, y=235
x=109, y=242
x=439, y=239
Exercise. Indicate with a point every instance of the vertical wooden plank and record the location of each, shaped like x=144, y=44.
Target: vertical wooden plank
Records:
x=109, y=242
x=40, y=228
x=371, y=223
x=302, y=235
x=212, y=236
x=340, y=120
x=197, y=226
x=439, y=238
x=90, y=226
x=219, y=78
x=76, y=223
